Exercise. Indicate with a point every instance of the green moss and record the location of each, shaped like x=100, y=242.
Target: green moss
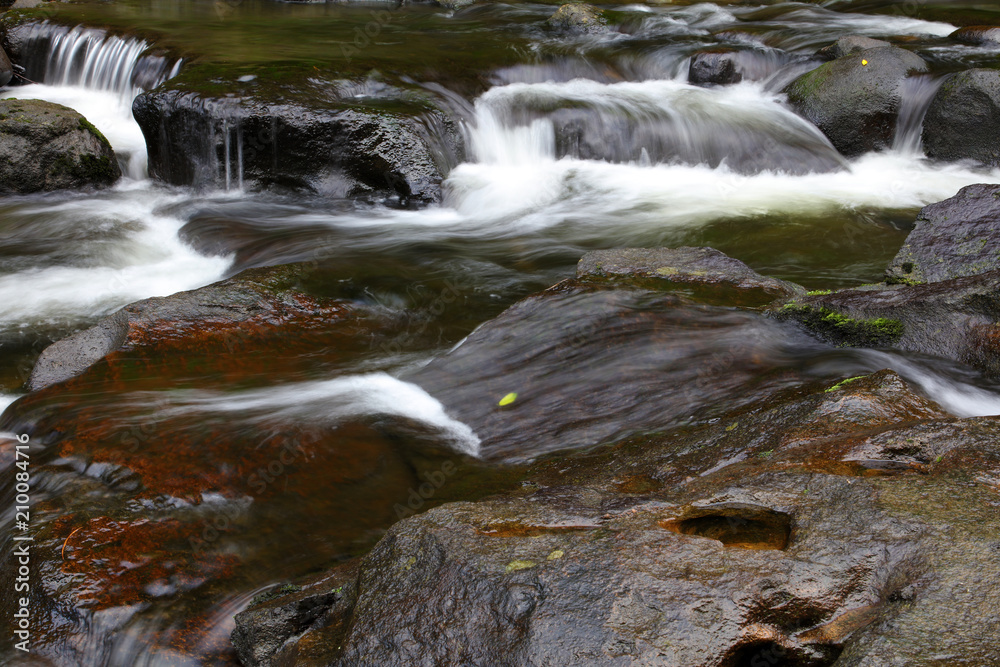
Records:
x=275, y=593
x=844, y=330
x=844, y=383
x=819, y=292
x=97, y=169
x=89, y=127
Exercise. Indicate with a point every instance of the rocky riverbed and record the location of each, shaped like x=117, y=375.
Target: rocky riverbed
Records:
x=472, y=333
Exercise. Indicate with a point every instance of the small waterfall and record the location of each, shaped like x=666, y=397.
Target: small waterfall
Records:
x=98, y=75
x=917, y=94
x=658, y=121
x=89, y=58
x=232, y=151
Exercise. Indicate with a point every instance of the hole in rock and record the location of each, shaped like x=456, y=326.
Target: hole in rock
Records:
x=771, y=654
x=741, y=527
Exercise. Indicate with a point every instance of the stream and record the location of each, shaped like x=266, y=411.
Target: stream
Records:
x=574, y=144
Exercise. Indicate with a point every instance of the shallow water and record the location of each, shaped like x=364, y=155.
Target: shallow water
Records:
x=653, y=162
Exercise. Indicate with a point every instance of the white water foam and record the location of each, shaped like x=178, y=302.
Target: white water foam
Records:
x=519, y=184
x=333, y=400
x=144, y=258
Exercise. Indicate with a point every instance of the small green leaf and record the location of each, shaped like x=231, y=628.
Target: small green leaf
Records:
x=508, y=399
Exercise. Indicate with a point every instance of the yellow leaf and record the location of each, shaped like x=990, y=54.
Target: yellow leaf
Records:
x=864, y=63
x=508, y=399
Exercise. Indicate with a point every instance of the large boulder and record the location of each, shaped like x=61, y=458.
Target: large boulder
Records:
x=855, y=99
x=636, y=324
x=46, y=146
x=953, y=238
x=839, y=522
x=349, y=142
x=963, y=121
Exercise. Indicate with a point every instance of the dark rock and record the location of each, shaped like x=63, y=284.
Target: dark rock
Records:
x=252, y=306
x=714, y=68
x=393, y=142
x=6, y=69
x=955, y=319
x=963, y=121
x=280, y=630
x=808, y=527
x=977, y=35
x=45, y=146
x=733, y=282
x=579, y=19
x=855, y=100
x=953, y=238
x=845, y=46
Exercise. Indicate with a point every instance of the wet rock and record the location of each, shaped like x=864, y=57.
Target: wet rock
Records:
x=855, y=100
x=954, y=319
x=977, y=35
x=46, y=146
x=963, y=121
x=714, y=68
x=849, y=44
x=747, y=144
x=957, y=237
x=350, y=142
x=705, y=269
x=584, y=359
x=807, y=528
x=248, y=309
x=6, y=69
x=579, y=19
x=304, y=626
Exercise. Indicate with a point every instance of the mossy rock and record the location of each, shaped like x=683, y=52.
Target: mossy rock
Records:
x=46, y=146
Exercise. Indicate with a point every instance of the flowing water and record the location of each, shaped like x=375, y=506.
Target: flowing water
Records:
x=574, y=144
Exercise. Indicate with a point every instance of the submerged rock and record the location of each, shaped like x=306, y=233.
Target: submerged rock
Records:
x=580, y=19
x=977, y=35
x=46, y=146
x=849, y=44
x=714, y=68
x=855, y=99
x=963, y=121
x=707, y=269
x=251, y=307
x=357, y=142
x=956, y=237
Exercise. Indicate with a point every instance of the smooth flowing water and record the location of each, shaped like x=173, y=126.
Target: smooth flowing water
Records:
x=575, y=144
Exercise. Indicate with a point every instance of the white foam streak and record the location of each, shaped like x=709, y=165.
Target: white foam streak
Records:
x=334, y=400
x=957, y=397
x=596, y=196
x=148, y=259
